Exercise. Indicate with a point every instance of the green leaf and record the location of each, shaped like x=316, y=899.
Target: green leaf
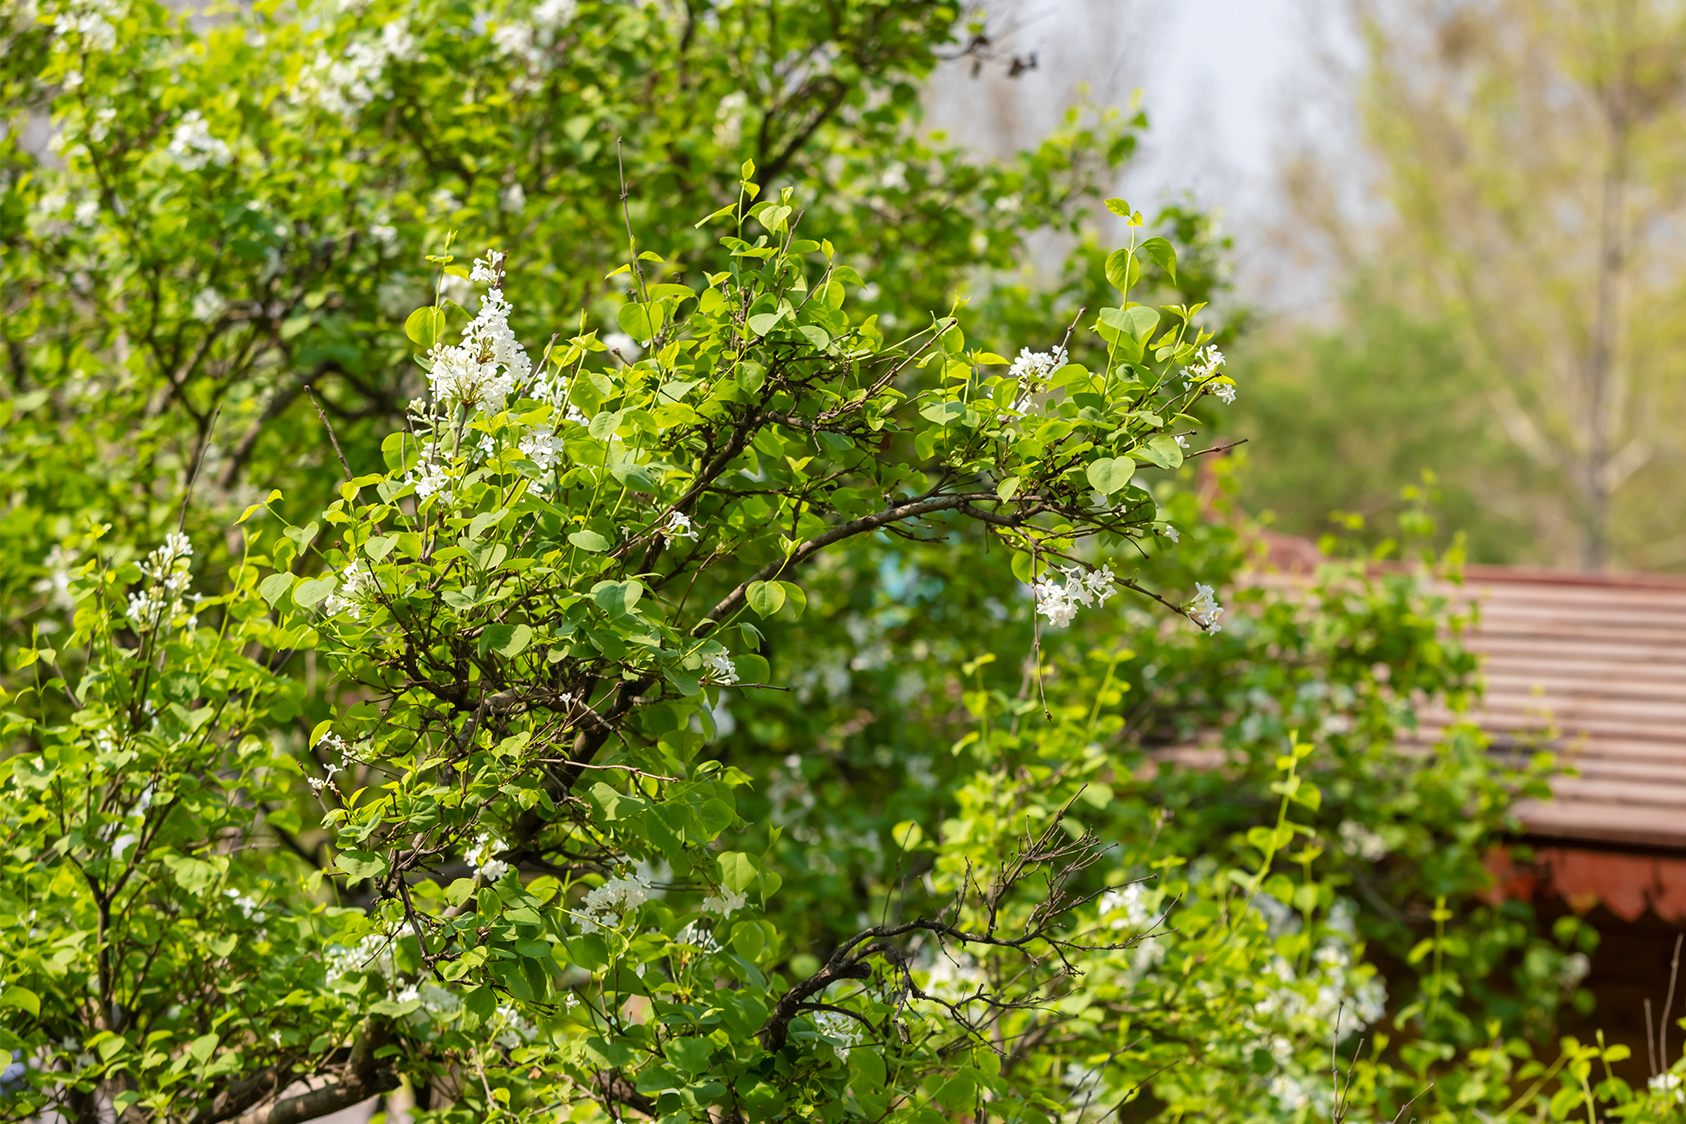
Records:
x=377, y=547
x=1161, y=450
x=797, y=599
x=508, y=640
x=203, y=1047
x=1164, y=254
x=589, y=540
x=424, y=325
x=766, y=598
x=360, y=865
x=274, y=587
x=1119, y=208
x=309, y=594
x=635, y=321
x=1120, y=270
x=1109, y=474
x=1007, y=489
x=763, y=322
x=21, y=998
x=737, y=870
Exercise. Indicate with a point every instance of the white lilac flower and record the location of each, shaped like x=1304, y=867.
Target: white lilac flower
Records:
x=354, y=585
x=1206, y=363
x=1225, y=392
x=627, y=346
x=542, y=447
x=678, y=526
x=844, y=1032
x=725, y=902
x=164, y=597
x=1059, y=602
x=432, y=478
x=57, y=582
x=330, y=744
x=607, y=906
x=1032, y=369
x=1667, y=1086
x=371, y=954
x=383, y=233
x=720, y=667
x=192, y=144
x=516, y=1031
x=513, y=199
x=480, y=857
x=1127, y=906
x=1204, y=609
x=1182, y=442
x=1171, y=533
x=697, y=937
x=87, y=212
x=489, y=364
x=437, y=1003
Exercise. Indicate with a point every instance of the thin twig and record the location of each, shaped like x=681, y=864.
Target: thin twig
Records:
x=345, y=464
x=1673, y=973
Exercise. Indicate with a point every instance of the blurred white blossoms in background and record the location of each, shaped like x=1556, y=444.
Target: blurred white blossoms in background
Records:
x=371, y=954
x=163, y=598
x=1204, y=610
x=90, y=19
x=725, y=903
x=208, y=305
x=486, y=367
x=480, y=857
x=514, y=1030
x=720, y=667
x=1667, y=1086
x=437, y=1003
x=1356, y=839
x=606, y=905
x=192, y=144
x=1059, y=602
x=623, y=343
x=344, y=84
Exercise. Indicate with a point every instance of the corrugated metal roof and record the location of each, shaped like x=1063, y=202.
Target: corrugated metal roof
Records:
x=1593, y=666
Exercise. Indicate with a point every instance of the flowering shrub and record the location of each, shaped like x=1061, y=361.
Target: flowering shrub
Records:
x=537, y=868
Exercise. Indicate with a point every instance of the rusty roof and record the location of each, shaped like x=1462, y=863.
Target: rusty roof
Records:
x=1592, y=666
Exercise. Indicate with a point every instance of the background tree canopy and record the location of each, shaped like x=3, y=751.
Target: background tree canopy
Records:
x=554, y=566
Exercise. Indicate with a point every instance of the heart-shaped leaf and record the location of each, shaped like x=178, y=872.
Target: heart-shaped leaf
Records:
x=1110, y=473
x=766, y=598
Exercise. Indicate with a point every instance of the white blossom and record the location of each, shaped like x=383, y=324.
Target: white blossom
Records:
x=429, y=479
x=371, y=954
x=515, y=1030
x=1059, y=602
x=208, y=305
x=480, y=857
x=1182, y=442
x=698, y=937
x=542, y=447
x=606, y=906
x=720, y=667
x=725, y=902
x=678, y=526
x=623, y=343
x=1667, y=1086
x=1032, y=369
x=354, y=585
x=489, y=364
x=164, y=597
x=1225, y=392
x=437, y=1003
x=192, y=144
x=1205, y=610
x=87, y=212
x=843, y=1031
x=1170, y=532
x=330, y=744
